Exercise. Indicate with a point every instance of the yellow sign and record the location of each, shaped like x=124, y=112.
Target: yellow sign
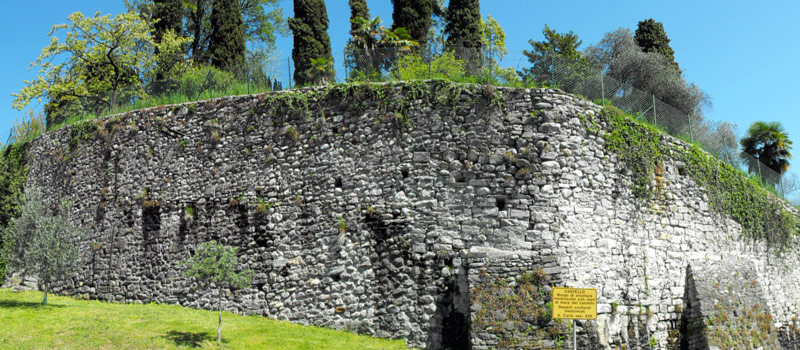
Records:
x=575, y=303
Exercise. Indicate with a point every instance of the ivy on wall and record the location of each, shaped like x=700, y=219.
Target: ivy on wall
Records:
x=13, y=174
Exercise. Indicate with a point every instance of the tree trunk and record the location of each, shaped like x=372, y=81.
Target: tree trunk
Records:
x=46, y=286
x=219, y=326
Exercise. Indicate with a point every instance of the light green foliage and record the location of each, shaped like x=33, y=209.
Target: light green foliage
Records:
x=637, y=145
x=446, y=66
x=201, y=79
x=42, y=240
x=31, y=126
x=215, y=264
x=88, y=324
x=98, y=54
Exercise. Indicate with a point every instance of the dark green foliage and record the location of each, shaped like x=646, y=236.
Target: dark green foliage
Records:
x=358, y=8
x=555, y=58
x=227, y=42
x=765, y=150
x=651, y=37
x=13, y=173
x=310, y=29
x=416, y=16
x=464, y=31
x=169, y=16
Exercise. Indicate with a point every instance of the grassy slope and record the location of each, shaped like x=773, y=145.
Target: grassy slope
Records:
x=67, y=323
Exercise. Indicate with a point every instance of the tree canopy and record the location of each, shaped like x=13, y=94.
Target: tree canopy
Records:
x=651, y=37
x=100, y=61
x=556, y=55
x=42, y=240
x=465, y=32
x=416, y=16
x=214, y=264
x=767, y=144
x=311, y=41
x=227, y=41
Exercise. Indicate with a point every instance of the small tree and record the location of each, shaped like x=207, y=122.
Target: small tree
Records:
x=215, y=264
x=42, y=240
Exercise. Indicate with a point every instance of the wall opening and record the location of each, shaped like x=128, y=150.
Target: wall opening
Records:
x=500, y=201
x=451, y=321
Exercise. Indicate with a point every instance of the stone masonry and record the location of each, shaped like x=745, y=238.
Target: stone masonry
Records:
x=380, y=208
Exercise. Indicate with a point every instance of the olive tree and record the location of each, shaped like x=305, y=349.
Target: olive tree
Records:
x=42, y=240
x=214, y=266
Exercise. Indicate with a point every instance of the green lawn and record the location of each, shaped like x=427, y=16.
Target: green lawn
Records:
x=67, y=323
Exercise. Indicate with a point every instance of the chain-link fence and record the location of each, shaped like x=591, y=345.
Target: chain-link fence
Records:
x=472, y=65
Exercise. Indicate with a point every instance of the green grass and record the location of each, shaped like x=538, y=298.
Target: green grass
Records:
x=67, y=323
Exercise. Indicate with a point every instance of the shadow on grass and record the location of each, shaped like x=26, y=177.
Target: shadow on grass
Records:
x=190, y=339
x=26, y=305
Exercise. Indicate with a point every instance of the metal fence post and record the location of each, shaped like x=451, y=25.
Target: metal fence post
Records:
x=344, y=61
x=602, y=89
x=289, y=63
x=655, y=116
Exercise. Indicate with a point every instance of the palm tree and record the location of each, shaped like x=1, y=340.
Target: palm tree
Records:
x=765, y=150
x=374, y=45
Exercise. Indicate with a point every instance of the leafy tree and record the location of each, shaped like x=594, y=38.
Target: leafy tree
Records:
x=464, y=31
x=42, y=240
x=766, y=150
x=311, y=40
x=556, y=59
x=101, y=61
x=226, y=45
x=416, y=16
x=214, y=265
x=651, y=37
x=618, y=55
x=263, y=22
x=445, y=66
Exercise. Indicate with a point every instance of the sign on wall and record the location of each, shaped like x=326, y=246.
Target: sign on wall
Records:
x=575, y=303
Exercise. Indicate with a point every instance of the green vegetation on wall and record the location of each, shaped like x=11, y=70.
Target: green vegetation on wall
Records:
x=639, y=145
x=13, y=174
x=518, y=312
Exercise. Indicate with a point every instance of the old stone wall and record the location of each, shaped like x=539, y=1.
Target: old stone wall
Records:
x=411, y=210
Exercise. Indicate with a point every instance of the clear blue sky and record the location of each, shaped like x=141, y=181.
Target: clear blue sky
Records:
x=744, y=54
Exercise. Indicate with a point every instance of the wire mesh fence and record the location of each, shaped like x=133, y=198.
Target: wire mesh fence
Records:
x=520, y=69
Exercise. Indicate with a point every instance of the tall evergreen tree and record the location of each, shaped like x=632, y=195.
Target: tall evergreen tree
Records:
x=226, y=45
x=464, y=31
x=168, y=15
x=651, y=37
x=358, y=8
x=416, y=16
x=311, y=41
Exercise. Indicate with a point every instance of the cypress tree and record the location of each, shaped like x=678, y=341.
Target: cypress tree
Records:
x=170, y=17
x=651, y=37
x=416, y=16
x=358, y=8
x=311, y=41
x=464, y=31
x=169, y=14
x=227, y=42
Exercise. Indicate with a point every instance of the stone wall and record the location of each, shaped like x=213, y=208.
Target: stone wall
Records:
x=404, y=211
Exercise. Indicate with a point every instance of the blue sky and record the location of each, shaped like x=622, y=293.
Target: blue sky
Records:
x=744, y=54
